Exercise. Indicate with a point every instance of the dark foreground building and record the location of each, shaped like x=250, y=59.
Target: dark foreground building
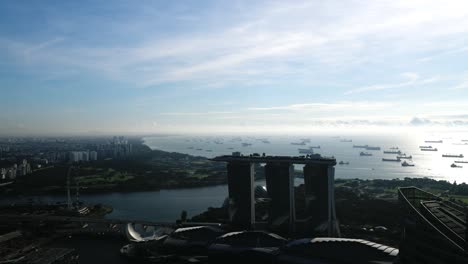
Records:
x=434, y=230
x=319, y=176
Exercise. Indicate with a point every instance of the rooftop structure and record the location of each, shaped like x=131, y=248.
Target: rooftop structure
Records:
x=435, y=230
x=310, y=159
x=279, y=174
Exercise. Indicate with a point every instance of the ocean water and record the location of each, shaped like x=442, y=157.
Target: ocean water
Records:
x=427, y=163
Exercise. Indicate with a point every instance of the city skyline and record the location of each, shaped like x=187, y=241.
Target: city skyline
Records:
x=231, y=66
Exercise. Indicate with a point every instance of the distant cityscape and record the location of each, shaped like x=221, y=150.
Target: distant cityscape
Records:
x=21, y=156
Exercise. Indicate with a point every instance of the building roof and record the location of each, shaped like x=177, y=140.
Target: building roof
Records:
x=314, y=159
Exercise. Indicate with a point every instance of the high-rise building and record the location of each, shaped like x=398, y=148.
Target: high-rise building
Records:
x=93, y=155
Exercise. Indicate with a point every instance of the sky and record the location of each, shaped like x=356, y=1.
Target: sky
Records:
x=84, y=67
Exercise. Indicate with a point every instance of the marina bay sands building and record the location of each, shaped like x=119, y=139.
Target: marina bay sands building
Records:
x=279, y=174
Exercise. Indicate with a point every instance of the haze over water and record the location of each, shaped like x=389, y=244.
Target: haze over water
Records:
x=429, y=164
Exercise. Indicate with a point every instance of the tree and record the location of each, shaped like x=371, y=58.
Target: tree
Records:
x=183, y=216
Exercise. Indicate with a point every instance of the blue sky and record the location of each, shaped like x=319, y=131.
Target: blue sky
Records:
x=231, y=66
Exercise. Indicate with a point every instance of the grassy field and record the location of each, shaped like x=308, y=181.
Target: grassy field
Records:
x=463, y=198
x=108, y=176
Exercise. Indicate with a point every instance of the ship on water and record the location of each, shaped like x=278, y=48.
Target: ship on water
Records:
x=344, y=163
x=246, y=144
x=397, y=159
x=407, y=164
x=392, y=152
x=403, y=156
x=346, y=140
x=298, y=143
x=461, y=161
x=360, y=146
x=372, y=148
x=434, y=141
x=315, y=147
x=365, y=154
x=425, y=147
x=309, y=150
x=455, y=166
x=452, y=156
x=429, y=149
x=394, y=148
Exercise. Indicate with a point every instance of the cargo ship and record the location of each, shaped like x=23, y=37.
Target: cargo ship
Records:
x=452, y=156
x=306, y=151
x=372, y=148
x=365, y=154
x=425, y=147
x=298, y=143
x=360, y=146
x=404, y=156
x=397, y=159
x=461, y=161
x=455, y=166
x=392, y=152
x=434, y=141
x=429, y=149
x=407, y=164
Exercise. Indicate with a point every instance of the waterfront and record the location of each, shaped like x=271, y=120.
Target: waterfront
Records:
x=166, y=205
x=427, y=163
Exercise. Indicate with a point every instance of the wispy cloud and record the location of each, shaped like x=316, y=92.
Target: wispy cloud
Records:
x=412, y=79
x=463, y=83
x=325, y=106
x=268, y=36
x=195, y=113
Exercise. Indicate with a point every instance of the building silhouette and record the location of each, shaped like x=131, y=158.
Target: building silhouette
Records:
x=279, y=174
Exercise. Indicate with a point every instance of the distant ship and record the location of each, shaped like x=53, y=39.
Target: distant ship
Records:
x=360, y=146
x=434, y=141
x=208, y=150
x=429, y=149
x=392, y=152
x=365, y=154
x=404, y=156
x=343, y=163
x=455, y=166
x=397, y=159
x=230, y=148
x=407, y=164
x=394, y=148
x=372, y=148
x=265, y=141
x=452, y=156
x=298, y=143
x=246, y=144
x=306, y=151
x=461, y=161
x=425, y=146
x=199, y=149
x=346, y=140
x=315, y=147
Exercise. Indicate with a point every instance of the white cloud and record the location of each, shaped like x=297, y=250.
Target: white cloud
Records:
x=412, y=79
x=332, y=33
